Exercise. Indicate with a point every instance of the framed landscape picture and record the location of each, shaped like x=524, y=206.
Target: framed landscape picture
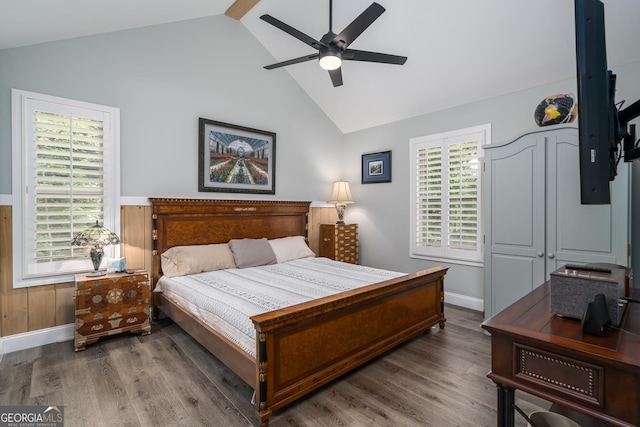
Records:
x=236, y=159
x=376, y=167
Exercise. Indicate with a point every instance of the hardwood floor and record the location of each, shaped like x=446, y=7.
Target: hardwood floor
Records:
x=167, y=379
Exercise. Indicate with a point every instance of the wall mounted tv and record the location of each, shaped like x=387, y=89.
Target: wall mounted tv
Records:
x=605, y=133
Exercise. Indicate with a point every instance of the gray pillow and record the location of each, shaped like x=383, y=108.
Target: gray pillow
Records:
x=252, y=252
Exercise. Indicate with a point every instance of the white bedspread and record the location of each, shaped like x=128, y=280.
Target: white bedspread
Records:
x=226, y=299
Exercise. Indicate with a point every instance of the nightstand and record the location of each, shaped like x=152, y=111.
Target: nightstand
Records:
x=339, y=242
x=110, y=304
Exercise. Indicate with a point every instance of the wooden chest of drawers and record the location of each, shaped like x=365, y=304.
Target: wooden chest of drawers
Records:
x=108, y=305
x=339, y=242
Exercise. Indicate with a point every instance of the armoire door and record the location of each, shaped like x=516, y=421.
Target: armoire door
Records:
x=515, y=233
x=579, y=233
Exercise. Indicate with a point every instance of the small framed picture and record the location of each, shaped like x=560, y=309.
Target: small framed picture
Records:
x=376, y=167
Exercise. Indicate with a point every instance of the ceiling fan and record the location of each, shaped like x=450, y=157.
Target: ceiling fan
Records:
x=333, y=48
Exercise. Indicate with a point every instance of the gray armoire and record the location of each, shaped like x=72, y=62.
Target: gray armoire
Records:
x=534, y=222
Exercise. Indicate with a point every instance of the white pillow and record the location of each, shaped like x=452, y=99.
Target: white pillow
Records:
x=183, y=260
x=290, y=248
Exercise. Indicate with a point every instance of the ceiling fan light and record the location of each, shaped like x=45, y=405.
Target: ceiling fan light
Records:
x=330, y=60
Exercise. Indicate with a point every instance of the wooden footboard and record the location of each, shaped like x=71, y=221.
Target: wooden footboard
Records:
x=302, y=347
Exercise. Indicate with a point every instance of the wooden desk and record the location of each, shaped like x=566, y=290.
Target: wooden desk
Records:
x=548, y=356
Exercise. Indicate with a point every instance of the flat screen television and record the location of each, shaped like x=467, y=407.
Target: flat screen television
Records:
x=604, y=138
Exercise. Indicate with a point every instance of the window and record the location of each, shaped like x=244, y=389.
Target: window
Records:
x=446, y=222
x=65, y=178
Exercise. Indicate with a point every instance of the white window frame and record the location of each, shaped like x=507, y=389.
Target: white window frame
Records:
x=445, y=254
x=26, y=274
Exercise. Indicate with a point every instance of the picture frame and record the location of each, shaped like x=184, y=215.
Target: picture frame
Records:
x=376, y=167
x=235, y=159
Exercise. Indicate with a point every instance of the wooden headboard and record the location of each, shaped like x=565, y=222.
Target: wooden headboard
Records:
x=180, y=222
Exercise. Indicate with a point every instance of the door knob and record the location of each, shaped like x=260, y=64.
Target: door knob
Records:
x=540, y=254
x=550, y=256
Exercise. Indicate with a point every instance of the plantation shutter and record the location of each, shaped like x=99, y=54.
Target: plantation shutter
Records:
x=463, y=195
x=66, y=157
x=429, y=197
x=68, y=182
x=446, y=221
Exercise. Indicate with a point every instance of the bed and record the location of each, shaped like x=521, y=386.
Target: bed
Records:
x=292, y=357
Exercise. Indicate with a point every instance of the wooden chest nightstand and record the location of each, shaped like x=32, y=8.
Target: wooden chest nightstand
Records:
x=339, y=242
x=108, y=305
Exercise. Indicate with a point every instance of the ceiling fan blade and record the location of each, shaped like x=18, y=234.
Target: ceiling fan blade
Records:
x=239, y=8
x=292, y=31
x=336, y=77
x=358, y=25
x=366, y=56
x=292, y=61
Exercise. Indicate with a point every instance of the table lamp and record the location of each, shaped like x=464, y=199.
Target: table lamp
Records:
x=96, y=236
x=340, y=196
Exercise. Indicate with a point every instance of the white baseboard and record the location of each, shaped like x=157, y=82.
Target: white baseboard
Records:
x=476, y=304
x=17, y=342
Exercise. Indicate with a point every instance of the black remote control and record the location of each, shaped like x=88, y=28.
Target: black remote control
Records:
x=587, y=268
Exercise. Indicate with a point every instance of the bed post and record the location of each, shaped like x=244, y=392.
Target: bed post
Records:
x=155, y=271
x=262, y=405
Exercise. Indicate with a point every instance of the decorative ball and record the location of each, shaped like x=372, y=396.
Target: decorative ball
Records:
x=556, y=109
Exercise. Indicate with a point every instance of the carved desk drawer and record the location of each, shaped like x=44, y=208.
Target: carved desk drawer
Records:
x=108, y=305
x=560, y=374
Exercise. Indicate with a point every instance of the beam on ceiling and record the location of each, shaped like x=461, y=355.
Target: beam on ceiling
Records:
x=238, y=9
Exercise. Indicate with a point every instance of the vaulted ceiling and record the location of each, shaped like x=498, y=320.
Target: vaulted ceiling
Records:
x=459, y=51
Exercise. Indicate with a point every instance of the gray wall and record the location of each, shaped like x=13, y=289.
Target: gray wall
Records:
x=382, y=210
x=163, y=78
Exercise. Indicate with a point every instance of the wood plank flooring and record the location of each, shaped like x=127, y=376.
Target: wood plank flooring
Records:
x=167, y=379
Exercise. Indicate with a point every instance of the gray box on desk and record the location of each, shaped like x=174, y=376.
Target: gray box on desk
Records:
x=572, y=290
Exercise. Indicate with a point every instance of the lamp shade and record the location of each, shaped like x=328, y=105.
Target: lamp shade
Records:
x=341, y=193
x=95, y=236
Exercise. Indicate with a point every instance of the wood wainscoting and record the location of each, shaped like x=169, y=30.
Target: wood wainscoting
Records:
x=39, y=307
